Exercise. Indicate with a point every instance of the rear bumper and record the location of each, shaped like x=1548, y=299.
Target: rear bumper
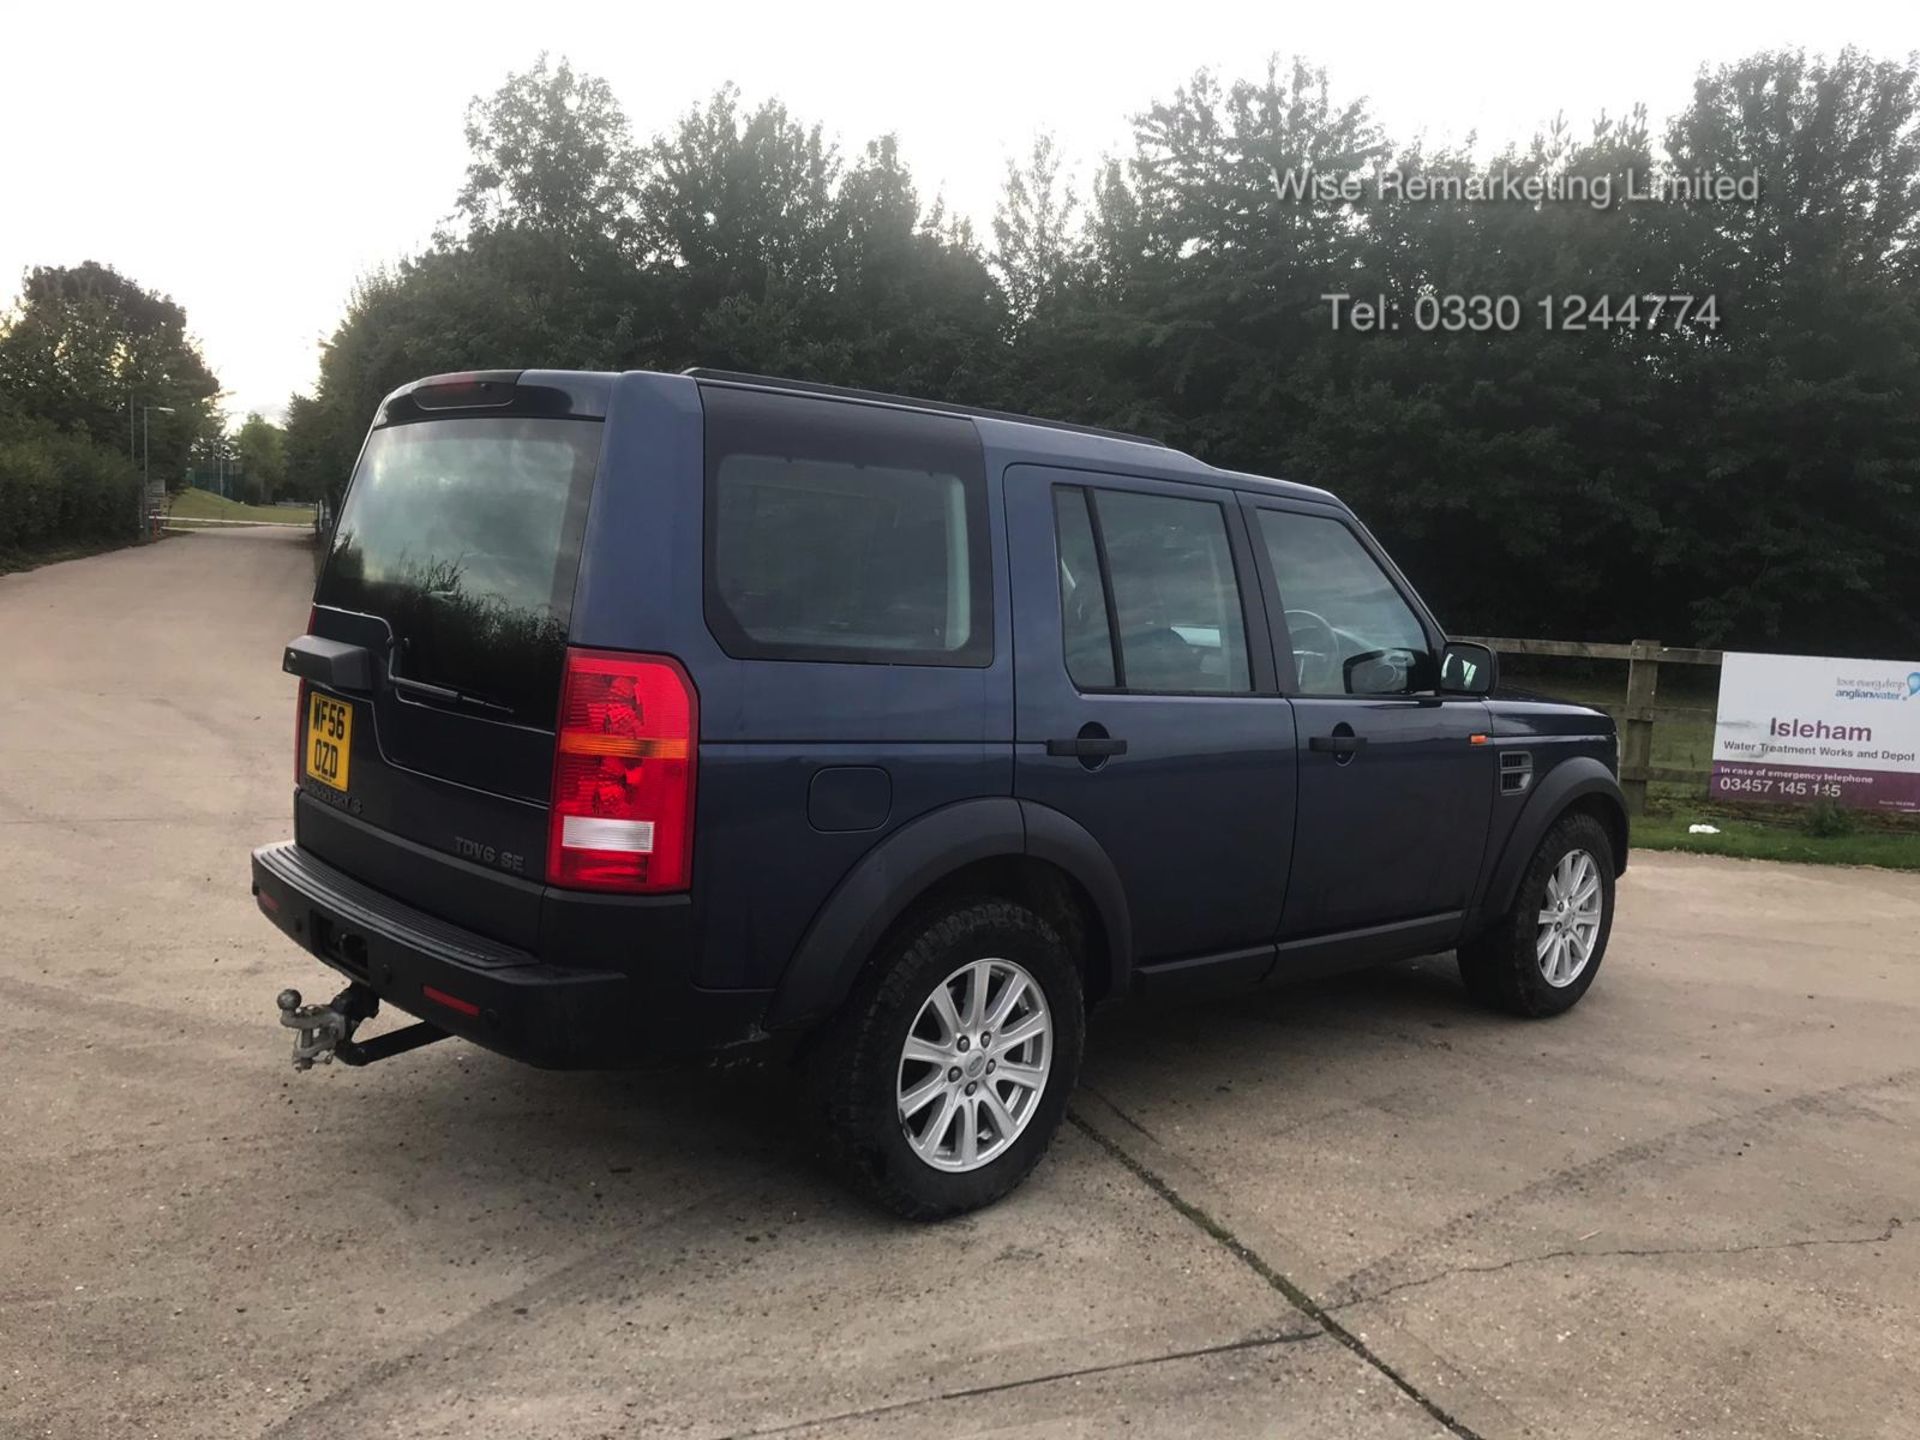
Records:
x=506, y=999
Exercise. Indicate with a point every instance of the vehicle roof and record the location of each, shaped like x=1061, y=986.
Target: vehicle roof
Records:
x=1010, y=439
x=1027, y=439
x=1015, y=442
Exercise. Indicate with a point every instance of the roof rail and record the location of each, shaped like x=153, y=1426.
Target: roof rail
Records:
x=906, y=402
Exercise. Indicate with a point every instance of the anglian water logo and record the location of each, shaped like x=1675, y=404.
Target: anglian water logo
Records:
x=1891, y=688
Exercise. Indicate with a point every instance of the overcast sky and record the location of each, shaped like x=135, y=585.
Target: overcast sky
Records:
x=252, y=161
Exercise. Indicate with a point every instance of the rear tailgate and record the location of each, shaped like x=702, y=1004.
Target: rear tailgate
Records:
x=452, y=566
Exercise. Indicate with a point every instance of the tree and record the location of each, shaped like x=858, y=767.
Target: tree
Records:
x=1035, y=251
x=550, y=150
x=86, y=347
x=261, y=448
x=739, y=210
x=317, y=439
x=1800, y=422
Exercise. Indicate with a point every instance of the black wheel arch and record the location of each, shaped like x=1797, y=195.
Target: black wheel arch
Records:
x=1579, y=783
x=992, y=845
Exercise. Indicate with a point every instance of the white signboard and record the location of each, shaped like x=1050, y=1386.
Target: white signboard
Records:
x=1805, y=727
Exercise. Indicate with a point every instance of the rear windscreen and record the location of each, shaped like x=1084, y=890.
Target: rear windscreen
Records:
x=464, y=535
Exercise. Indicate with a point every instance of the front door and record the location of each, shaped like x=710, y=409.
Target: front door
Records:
x=1396, y=781
x=1146, y=704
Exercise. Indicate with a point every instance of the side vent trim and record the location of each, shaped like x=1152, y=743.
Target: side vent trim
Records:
x=1516, y=771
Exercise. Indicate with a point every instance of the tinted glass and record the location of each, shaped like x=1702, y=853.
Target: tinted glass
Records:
x=845, y=532
x=465, y=536
x=1083, y=595
x=1340, y=605
x=1174, y=592
x=810, y=553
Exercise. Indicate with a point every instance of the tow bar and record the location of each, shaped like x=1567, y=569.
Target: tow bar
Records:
x=325, y=1032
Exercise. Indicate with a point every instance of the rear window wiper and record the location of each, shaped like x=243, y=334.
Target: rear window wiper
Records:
x=445, y=695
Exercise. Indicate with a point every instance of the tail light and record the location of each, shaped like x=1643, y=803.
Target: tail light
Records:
x=623, y=771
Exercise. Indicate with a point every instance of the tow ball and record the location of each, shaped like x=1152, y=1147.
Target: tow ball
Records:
x=325, y=1032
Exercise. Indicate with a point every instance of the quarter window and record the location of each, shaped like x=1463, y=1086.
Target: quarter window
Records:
x=1152, y=576
x=1352, y=633
x=844, y=532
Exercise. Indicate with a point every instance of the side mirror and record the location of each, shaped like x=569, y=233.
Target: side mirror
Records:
x=1387, y=672
x=1468, y=669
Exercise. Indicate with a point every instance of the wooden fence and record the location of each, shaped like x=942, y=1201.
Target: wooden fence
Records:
x=1640, y=713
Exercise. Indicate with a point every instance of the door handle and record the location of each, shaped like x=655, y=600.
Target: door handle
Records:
x=1345, y=746
x=1086, y=746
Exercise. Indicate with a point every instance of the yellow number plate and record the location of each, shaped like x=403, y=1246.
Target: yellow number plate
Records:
x=329, y=739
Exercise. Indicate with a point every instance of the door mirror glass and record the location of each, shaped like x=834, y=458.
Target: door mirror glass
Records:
x=1468, y=669
x=1397, y=671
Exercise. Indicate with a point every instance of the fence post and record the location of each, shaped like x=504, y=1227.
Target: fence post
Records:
x=1636, y=744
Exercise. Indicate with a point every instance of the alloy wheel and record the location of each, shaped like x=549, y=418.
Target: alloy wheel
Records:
x=974, y=1064
x=1569, y=919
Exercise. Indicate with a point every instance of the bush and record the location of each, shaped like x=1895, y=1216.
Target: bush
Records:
x=1827, y=821
x=60, y=489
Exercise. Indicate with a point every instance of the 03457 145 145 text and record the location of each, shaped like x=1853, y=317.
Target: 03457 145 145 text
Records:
x=1481, y=314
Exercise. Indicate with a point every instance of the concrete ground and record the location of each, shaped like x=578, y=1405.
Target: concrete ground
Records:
x=1692, y=1207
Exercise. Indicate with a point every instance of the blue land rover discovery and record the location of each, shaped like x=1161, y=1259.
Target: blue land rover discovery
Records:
x=646, y=715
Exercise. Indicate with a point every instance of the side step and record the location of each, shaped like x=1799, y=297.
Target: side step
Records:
x=325, y=1032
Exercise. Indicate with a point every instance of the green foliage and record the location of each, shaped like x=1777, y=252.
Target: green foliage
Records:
x=1750, y=486
x=58, y=489
x=1781, y=838
x=261, y=448
x=549, y=149
x=86, y=347
x=1826, y=820
x=81, y=350
x=197, y=504
x=1800, y=434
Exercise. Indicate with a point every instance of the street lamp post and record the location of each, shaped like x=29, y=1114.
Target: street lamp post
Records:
x=146, y=459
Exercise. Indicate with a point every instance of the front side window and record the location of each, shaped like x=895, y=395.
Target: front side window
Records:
x=1163, y=592
x=841, y=532
x=1352, y=632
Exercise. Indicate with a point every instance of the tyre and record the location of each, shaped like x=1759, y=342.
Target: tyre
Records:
x=947, y=1073
x=1542, y=955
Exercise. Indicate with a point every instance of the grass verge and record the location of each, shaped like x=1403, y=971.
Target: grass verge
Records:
x=205, y=505
x=1892, y=849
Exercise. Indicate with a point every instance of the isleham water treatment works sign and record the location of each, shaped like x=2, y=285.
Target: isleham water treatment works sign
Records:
x=1799, y=728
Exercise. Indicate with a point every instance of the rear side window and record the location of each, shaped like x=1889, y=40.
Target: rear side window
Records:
x=464, y=536
x=845, y=532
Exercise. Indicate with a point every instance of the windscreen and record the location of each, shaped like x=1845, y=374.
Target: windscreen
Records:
x=464, y=535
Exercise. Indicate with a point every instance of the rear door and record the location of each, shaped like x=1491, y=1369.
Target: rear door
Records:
x=1145, y=701
x=1395, y=789
x=453, y=566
